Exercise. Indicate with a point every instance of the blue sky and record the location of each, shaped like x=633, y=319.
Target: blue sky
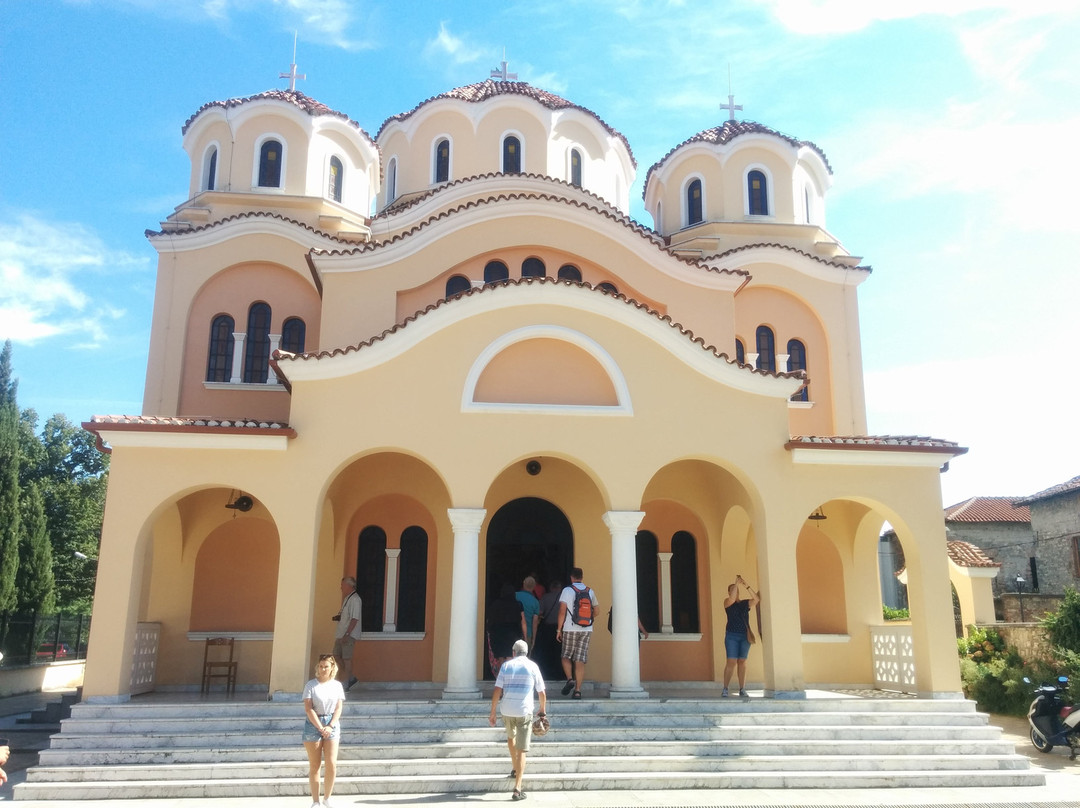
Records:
x=952, y=129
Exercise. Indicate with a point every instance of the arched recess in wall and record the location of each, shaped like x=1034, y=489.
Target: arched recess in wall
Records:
x=822, y=600
x=221, y=599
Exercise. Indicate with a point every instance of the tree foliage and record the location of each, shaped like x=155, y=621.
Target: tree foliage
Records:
x=35, y=581
x=9, y=484
x=1063, y=626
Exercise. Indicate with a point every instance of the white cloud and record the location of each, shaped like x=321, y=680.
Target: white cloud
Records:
x=446, y=44
x=325, y=21
x=50, y=279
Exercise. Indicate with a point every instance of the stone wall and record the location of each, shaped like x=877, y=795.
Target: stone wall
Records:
x=1055, y=523
x=1011, y=544
x=1007, y=607
x=1028, y=638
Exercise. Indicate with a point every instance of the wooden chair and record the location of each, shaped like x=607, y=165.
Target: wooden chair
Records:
x=217, y=666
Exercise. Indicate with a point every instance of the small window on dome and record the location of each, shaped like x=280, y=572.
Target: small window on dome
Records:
x=757, y=194
x=442, y=160
x=391, y=181
x=693, y=202
x=607, y=287
x=458, y=284
x=293, y=332
x=496, y=271
x=740, y=352
x=575, y=167
x=511, y=156
x=210, y=180
x=270, y=165
x=797, y=361
x=336, y=174
x=569, y=272
x=766, y=349
x=533, y=268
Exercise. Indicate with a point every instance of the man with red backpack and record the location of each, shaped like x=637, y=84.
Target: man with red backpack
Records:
x=577, y=608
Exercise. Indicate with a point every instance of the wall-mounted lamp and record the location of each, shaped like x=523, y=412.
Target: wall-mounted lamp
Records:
x=242, y=503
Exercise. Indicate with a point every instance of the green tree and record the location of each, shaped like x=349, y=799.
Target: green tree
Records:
x=1063, y=626
x=35, y=583
x=9, y=484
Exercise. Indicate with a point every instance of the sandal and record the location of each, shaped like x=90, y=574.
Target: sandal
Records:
x=517, y=795
x=577, y=695
x=513, y=774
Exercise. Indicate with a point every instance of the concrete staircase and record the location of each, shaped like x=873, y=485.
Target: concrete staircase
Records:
x=236, y=749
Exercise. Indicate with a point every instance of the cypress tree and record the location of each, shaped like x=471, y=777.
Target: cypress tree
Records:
x=10, y=530
x=36, y=586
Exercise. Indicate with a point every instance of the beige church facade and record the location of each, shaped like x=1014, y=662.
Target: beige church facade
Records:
x=443, y=357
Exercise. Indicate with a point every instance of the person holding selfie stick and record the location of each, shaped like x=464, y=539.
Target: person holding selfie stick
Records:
x=739, y=636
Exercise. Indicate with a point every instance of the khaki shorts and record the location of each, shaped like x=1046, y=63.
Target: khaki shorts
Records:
x=343, y=648
x=518, y=730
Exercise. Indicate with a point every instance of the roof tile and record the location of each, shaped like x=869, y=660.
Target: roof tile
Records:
x=965, y=554
x=1067, y=487
x=987, y=509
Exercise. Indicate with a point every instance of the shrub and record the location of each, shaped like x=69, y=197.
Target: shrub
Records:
x=984, y=645
x=999, y=687
x=1063, y=626
x=889, y=613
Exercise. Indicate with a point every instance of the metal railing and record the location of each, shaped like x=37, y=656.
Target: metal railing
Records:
x=41, y=639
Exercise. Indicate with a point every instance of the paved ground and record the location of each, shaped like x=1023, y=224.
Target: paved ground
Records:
x=1062, y=789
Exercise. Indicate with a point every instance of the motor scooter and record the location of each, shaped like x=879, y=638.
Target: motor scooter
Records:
x=1054, y=723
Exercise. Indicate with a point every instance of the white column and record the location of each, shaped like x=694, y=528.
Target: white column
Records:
x=390, y=607
x=782, y=362
x=275, y=343
x=238, y=356
x=464, y=604
x=625, y=660
x=666, y=626
x=751, y=359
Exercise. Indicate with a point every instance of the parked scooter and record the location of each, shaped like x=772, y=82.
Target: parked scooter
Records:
x=1054, y=723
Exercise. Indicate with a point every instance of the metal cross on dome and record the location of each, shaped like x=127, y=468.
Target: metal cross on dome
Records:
x=501, y=73
x=292, y=75
x=731, y=106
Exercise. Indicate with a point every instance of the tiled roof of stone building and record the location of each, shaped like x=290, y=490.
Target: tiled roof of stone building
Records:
x=1061, y=488
x=965, y=554
x=987, y=509
x=484, y=90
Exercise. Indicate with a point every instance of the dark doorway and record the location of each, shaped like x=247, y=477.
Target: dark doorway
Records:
x=528, y=536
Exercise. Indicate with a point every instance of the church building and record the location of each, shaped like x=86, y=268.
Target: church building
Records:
x=443, y=357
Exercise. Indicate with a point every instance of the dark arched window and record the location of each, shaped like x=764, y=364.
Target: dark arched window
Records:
x=257, y=346
x=533, y=268
x=293, y=332
x=569, y=272
x=457, y=285
x=797, y=361
x=575, y=167
x=757, y=194
x=412, y=597
x=371, y=577
x=766, y=349
x=496, y=271
x=391, y=181
x=648, y=581
x=740, y=352
x=442, y=160
x=211, y=171
x=219, y=357
x=607, y=287
x=511, y=155
x=684, y=589
x=693, y=202
x=270, y=165
x=337, y=175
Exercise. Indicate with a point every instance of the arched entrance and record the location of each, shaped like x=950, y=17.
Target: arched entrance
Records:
x=527, y=536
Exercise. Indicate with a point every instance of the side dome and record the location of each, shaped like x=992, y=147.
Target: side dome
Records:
x=282, y=143
x=738, y=172
x=502, y=127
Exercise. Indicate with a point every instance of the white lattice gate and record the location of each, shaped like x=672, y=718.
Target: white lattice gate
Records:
x=894, y=658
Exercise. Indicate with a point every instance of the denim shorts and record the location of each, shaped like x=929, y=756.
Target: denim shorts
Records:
x=312, y=735
x=737, y=646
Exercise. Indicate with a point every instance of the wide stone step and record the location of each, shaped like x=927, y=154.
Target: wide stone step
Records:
x=208, y=754
x=467, y=783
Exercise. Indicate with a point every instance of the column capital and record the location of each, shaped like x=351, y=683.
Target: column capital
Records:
x=466, y=518
x=619, y=521
x=393, y=552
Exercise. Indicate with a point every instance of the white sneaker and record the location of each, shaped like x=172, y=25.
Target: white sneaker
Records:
x=326, y=804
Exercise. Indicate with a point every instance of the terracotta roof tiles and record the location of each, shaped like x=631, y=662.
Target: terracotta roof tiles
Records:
x=105, y=421
x=730, y=130
x=878, y=442
x=773, y=244
x=987, y=509
x=488, y=89
x=1067, y=487
x=965, y=554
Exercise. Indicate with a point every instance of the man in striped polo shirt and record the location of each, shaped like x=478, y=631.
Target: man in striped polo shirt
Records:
x=518, y=678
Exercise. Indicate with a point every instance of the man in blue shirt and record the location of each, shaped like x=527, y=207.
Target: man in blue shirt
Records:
x=531, y=606
x=518, y=678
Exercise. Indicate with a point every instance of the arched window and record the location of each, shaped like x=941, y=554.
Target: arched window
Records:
x=684, y=589
x=210, y=175
x=533, y=268
x=740, y=352
x=371, y=576
x=575, y=167
x=219, y=357
x=757, y=194
x=607, y=287
x=648, y=580
x=257, y=347
x=496, y=271
x=337, y=174
x=293, y=332
x=766, y=349
x=806, y=202
x=797, y=361
x=569, y=272
x=270, y=165
x=456, y=285
x=511, y=155
x=412, y=597
x=693, y=202
x=391, y=181
x=442, y=160
x=658, y=220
